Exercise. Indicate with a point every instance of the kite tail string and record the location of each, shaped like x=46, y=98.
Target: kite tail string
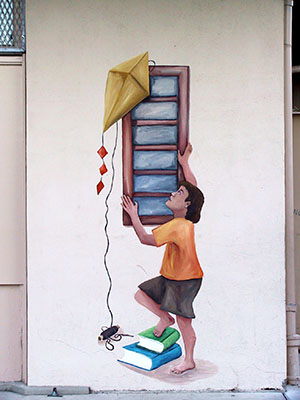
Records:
x=106, y=224
x=102, y=139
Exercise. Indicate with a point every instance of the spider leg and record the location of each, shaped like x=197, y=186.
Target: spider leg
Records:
x=109, y=345
x=116, y=338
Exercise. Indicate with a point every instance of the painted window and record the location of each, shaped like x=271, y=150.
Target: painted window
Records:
x=153, y=132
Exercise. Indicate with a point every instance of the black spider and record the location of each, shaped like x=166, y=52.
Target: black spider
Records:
x=111, y=334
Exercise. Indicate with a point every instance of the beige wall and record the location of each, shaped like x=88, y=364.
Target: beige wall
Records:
x=12, y=217
x=296, y=129
x=235, y=51
x=12, y=333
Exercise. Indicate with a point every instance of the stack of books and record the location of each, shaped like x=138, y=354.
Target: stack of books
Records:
x=151, y=352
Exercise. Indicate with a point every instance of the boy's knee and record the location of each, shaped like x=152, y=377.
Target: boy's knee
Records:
x=138, y=295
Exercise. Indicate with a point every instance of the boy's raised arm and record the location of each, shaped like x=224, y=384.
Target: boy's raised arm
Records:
x=131, y=209
x=184, y=162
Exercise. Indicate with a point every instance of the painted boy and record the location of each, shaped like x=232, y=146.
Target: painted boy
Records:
x=181, y=275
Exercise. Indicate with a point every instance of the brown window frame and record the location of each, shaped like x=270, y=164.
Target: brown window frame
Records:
x=182, y=122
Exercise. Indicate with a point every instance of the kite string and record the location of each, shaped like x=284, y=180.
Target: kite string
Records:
x=106, y=223
x=151, y=68
x=102, y=139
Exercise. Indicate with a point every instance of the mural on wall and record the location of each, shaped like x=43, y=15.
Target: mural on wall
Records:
x=159, y=188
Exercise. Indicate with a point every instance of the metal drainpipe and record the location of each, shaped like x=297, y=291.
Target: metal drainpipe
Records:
x=293, y=340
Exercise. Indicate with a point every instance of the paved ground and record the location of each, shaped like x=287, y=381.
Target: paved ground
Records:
x=145, y=396
x=292, y=393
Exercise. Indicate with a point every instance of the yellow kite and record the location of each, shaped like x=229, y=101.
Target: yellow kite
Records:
x=127, y=85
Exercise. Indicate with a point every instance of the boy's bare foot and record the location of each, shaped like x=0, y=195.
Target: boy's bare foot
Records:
x=163, y=323
x=183, y=367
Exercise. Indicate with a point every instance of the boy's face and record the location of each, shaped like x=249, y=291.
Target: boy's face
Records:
x=177, y=199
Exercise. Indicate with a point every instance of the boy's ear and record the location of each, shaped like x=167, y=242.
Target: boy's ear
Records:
x=187, y=203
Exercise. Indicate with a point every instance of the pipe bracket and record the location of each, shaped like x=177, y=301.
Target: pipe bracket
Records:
x=289, y=3
x=293, y=341
x=291, y=307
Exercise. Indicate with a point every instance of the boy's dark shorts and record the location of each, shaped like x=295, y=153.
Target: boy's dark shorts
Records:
x=175, y=297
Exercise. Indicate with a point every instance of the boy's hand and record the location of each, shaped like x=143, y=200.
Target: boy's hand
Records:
x=183, y=159
x=129, y=207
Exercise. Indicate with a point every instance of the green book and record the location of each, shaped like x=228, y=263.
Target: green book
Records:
x=158, y=344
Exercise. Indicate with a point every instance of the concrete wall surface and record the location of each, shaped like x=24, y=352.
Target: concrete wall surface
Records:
x=13, y=221
x=235, y=52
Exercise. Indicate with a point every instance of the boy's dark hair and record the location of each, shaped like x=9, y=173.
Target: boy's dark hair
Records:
x=196, y=198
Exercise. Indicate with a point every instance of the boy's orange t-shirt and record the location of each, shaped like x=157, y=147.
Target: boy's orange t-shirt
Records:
x=180, y=260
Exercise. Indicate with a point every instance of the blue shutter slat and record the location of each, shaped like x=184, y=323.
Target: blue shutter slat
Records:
x=155, y=160
x=152, y=205
x=165, y=110
x=157, y=134
x=155, y=183
x=163, y=86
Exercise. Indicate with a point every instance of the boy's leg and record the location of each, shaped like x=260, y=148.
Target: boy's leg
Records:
x=165, y=318
x=189, y=340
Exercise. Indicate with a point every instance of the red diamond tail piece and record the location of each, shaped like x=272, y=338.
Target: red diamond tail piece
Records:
x=100, y=186
x=102, y=152
x=103, y=169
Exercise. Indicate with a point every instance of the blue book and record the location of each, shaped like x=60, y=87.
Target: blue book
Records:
x=147, y=359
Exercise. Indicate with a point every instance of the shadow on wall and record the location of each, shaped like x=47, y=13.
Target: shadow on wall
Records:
x=204, y=369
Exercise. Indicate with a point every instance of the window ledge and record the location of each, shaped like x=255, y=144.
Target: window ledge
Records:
x=11, y=60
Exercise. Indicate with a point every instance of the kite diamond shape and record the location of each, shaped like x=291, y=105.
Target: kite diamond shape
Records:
x=127, y=85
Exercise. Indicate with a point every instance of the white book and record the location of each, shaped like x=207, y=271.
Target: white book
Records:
x=151, y=344
x=148, y=360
